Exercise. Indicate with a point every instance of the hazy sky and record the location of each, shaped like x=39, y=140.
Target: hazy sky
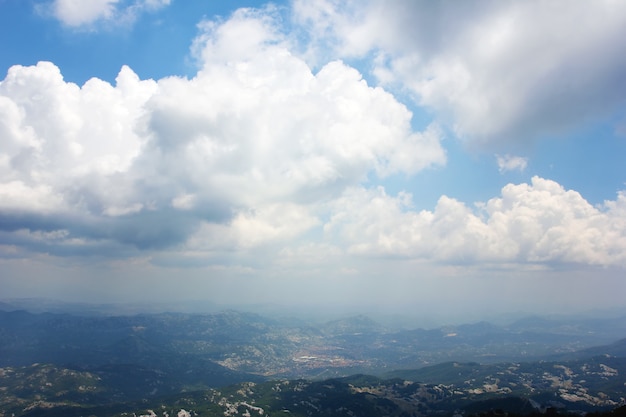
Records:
x=462, y=157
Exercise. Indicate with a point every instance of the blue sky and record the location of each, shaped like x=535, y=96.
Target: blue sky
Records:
x=402, y=156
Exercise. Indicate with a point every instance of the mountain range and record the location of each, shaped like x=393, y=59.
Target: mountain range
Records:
x=73, y=363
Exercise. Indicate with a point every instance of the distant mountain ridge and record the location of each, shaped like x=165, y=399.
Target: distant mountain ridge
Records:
x=121, y=363
x=252, y=344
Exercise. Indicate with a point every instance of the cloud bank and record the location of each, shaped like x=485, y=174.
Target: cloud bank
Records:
x=538, y=223
x=270, y=149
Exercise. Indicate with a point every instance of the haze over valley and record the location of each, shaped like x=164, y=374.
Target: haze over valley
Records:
x=312, y=207
x=100, y=364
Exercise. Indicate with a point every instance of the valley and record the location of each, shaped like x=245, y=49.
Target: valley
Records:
x=69, y=364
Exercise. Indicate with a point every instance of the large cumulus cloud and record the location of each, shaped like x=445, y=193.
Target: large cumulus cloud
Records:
x=145, y=164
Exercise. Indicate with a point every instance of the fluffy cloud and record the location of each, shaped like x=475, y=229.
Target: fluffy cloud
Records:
x=58, y=136
x=250, y=144
x=496, y=71
x=539, y=222
x=260, y=152
x=76, y=13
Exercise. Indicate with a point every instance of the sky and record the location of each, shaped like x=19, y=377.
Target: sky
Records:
x=442, y=158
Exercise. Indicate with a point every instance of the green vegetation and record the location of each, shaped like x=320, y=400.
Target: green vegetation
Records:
x=162, y=364
x=595, y=384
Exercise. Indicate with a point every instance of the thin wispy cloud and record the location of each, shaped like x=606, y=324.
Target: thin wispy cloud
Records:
x=511, y=163
x=86, y=13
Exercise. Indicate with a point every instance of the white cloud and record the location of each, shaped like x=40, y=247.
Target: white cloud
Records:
x=251, y=144
x=79, y=13
x=271, y=223
x=511, y=163
x=59, y=134
x=538, y=223
x=257, y=125
x=259, y=152
x=495, y=71
x=15, y=195
x=251, y=228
